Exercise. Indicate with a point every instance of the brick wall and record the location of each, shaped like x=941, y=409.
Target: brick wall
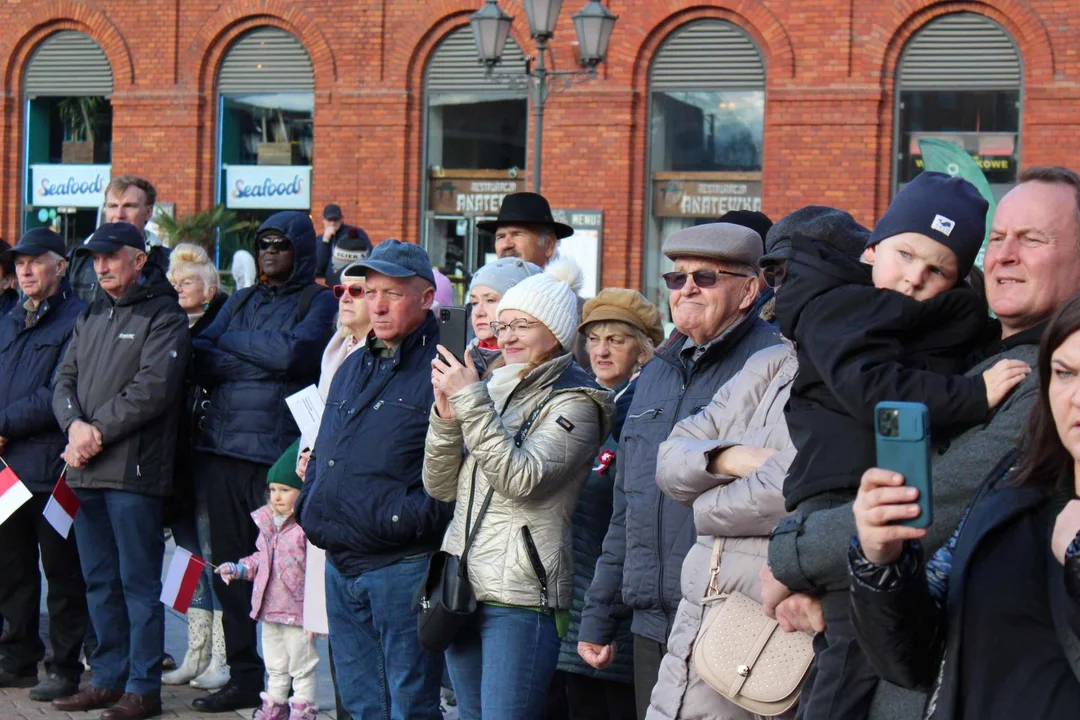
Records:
x=828, y=122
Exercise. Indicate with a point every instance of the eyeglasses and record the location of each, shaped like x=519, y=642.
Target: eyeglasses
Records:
x=355, y=291
x=275, y=243
x=702, y=278
x=190, y=282
x=774, y=275
x=518, y=326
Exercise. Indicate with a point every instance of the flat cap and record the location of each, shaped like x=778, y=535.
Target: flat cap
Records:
x=718, y=241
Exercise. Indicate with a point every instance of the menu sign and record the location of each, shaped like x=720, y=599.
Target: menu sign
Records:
x=458, y=195
x=704, y=198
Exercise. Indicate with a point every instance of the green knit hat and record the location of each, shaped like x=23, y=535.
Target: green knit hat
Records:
x=283, y=472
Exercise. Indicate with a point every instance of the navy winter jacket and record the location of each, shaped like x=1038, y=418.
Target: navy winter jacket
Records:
x=650, y=534
x=8, y=300
x=28, y=360
x=256, y=353
x=363, y=499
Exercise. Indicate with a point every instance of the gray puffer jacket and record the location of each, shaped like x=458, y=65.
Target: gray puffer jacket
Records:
x=536, y=485
x=747, y=410
x=650, y=534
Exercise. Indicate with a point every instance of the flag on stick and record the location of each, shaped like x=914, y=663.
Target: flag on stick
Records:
x=13, y=494
x=181, y=580
x=62, y=506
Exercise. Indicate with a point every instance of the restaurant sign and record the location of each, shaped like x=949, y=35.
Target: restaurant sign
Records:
x=701, y=198
x=471, y=195
x=77, y=186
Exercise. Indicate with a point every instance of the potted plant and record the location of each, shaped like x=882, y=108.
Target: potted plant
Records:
x=81, y=117
x=201, y=228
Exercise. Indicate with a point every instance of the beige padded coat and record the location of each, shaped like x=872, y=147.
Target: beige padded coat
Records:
x=536, y=485
x=747, y=410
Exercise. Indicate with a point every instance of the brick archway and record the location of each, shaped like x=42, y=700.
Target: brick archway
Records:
x=886, y=45
x=35, y=25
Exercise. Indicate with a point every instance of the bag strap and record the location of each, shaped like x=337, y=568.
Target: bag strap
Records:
x=306, y=296
x=537, y=564
x=714, y=568
x=519, y=436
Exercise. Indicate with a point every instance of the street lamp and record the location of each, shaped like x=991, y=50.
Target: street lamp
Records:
x=593, y=25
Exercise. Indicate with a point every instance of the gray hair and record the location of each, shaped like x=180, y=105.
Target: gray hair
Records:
x=1056, y=175
x=190, y=258
x=545, y=235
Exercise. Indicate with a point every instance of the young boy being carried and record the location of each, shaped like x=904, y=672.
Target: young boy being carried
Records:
x=903, y=325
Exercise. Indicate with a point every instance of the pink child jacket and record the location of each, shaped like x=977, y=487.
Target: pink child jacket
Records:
x=277, y=569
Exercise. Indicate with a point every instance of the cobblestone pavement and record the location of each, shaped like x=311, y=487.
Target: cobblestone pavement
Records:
x=15, y=703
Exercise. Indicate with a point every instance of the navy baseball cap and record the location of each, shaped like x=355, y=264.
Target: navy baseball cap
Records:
x=399, y=259
x=113, y=236
x=37, y=242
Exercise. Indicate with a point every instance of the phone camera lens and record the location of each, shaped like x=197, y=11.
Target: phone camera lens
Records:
x=444, y=314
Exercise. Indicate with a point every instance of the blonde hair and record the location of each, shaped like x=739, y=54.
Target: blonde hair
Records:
x=189, y=258
x=645, y=345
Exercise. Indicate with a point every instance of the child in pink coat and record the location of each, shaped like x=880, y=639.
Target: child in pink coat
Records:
x=277, y=599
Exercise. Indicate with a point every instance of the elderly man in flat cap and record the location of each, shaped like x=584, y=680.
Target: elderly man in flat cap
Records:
x=713, y=290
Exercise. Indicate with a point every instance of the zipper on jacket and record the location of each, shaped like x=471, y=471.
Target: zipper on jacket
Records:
x=653, y=414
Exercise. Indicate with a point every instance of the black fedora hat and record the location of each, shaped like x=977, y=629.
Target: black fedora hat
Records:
x=526, y=208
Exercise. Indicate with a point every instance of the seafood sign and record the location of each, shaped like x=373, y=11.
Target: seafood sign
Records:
x=271, y=187
x=81, y=186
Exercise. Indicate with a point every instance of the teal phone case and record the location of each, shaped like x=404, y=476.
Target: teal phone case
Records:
x=902, y=433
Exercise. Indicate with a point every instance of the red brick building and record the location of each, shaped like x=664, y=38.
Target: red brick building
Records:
x=702, y=105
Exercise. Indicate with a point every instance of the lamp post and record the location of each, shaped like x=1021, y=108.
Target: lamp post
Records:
x=593, y=25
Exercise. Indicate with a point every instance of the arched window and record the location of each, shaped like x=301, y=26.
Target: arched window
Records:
x=67, y=86
x=959, y=79
x=266, y=96
x=706, y=134
x=474, y=151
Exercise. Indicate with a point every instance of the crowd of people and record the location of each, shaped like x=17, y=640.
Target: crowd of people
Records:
x=582, y=515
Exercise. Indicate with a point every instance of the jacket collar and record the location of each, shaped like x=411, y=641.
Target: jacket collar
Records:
x=63, y=292
x=211, y=312
x=714, y=350
x=425, y=336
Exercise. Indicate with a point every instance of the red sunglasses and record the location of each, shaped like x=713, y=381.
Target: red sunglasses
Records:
x=356, y=291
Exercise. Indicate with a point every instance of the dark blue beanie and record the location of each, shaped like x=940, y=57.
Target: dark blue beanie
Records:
x=947, y=209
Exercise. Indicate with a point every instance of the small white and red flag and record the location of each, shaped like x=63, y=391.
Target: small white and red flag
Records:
x=181, y=580
x=13, y=494
x=62, y=506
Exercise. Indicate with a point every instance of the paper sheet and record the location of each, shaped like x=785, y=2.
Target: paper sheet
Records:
x=307, y=407
x=315, y=591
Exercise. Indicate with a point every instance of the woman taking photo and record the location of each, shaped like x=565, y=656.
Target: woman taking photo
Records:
x=522, y=443
x=195, y=279
x=621, y=329
x=488, y=286
x=989, y=626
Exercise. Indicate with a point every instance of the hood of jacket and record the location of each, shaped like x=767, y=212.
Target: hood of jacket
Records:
x=297, y=227
x=814, y=269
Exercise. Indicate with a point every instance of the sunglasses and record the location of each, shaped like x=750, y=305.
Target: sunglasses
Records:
x=702, y=278
x=774, y=275
x=355, y=291
x=274, y=243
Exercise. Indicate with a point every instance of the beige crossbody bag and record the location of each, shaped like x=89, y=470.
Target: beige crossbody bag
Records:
x=746, y=657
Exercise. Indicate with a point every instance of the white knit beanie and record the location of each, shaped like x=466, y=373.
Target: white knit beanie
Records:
x=551, y=298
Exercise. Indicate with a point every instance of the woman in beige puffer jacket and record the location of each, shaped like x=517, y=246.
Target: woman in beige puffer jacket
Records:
x=742, y=503
x=502, y=661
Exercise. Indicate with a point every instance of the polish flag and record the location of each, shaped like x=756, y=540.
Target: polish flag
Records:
x=13, y=494
x=61, y=509
x=182, y=579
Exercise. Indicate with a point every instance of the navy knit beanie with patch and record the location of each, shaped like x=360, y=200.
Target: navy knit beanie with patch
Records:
x=947, y=209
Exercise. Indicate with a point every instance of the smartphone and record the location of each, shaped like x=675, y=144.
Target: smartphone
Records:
x=453, y=329
x=903, y=445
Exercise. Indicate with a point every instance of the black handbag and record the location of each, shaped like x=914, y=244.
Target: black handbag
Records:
x=445, y=599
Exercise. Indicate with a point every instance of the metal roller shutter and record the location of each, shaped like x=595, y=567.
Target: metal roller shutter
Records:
x=960, y=51
x=69, y=63
x=455, y=67
x=708, y=55
x=266, y=60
